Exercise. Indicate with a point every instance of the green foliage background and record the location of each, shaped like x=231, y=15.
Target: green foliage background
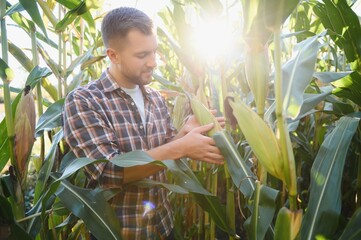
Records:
x=290, y=92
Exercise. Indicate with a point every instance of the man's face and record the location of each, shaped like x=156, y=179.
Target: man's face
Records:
x=136, y=59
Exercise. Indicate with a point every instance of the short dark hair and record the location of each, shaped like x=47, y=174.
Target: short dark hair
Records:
x=118, y=22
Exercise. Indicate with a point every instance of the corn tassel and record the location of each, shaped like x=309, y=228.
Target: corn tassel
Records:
x=204, y=116
x=24, y=132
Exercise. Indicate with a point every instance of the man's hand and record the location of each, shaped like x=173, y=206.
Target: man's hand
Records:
x=192, y=123
x=199, y=147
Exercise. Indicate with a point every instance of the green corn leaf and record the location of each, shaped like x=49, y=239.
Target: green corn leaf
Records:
x=310, y=101
x=260, y=137
x=92, y=208
x=352, y=230
x=167, y=83
x=242, y=176
x=349, y=87
x=6, y=73
x=297, y=73
x=216, y=210
x=70, y=16
x=47, y=167
x=91, y=61
x=251, y=223
x=51, y=118
x=78, y=61
x=8, y=220
x=133, y=158
x=77, y=4
x=69, y=3
x=184, y=177
x=13, y=9
x=262, y=16
x=35, y=223
x=277, y=11
x=324, y=204
x=129, y=159
x=263, y=208
x=171, y=187
x=32, y=8
x=20, y=56
x=328, y=77
x=55, y=68
x=339, y=17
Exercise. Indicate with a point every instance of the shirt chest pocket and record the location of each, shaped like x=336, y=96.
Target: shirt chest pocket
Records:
x=157, y=131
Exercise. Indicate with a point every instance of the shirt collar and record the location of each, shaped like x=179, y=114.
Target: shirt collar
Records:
x=109, y=85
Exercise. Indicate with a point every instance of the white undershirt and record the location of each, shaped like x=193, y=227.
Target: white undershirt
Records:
x=137, y=96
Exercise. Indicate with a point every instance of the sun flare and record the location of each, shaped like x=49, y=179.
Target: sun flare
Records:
x=212, y=39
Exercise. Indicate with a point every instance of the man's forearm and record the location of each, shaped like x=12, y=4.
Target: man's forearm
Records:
x=167, y=151
x=132, y=174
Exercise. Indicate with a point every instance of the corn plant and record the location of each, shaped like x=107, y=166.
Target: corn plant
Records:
x=291, y=142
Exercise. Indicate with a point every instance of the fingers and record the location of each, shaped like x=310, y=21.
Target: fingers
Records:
x=221, y=121
x=204, y=128
x=213, y=158
x=211, y=153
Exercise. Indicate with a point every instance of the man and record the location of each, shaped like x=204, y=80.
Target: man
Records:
x=118, y=113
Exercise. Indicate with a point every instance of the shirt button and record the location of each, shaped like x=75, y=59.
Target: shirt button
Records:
x=141, y=126
x=132, y=103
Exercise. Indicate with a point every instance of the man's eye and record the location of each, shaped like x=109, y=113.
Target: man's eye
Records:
x=141, y=55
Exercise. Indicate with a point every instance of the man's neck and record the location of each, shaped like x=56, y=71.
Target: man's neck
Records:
x=119, y=80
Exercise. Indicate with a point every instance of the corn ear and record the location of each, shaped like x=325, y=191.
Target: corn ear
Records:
x=201, y=96
x=260, y=137
x=257, y=72
x=24, y=131
x=204, y=116
x=288, y=224
x=180, y=111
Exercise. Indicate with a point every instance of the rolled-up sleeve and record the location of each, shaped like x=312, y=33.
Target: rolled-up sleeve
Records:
x=90, y=135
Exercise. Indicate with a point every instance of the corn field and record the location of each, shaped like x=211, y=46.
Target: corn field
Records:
x=289, y=87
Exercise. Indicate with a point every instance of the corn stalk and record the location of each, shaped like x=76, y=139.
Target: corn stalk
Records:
x=39, y=95
x=358, y=182
x=16, y=203
x=284, y=138
x=6, y=81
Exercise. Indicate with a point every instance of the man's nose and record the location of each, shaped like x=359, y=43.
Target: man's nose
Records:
x=152, y=61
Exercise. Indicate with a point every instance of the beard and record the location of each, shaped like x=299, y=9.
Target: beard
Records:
x=141, y=79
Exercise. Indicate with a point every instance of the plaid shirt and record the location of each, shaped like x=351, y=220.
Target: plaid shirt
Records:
x=102, y=121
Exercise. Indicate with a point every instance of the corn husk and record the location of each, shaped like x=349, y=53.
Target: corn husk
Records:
x=257, y=74
x=180, y=111
x=260, y=137
x=288, y=224
x=24, y=131
x=204, y=116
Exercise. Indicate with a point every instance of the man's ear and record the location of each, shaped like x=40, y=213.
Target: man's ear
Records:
x=112, y=54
